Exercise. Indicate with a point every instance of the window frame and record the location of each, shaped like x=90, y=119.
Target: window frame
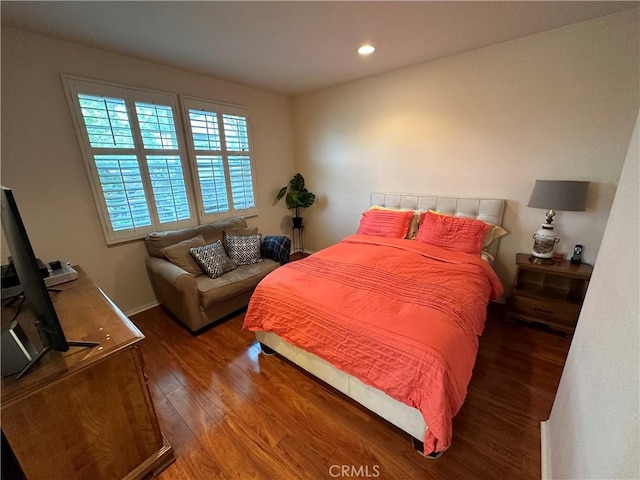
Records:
x=131, y=95
x=220, y=108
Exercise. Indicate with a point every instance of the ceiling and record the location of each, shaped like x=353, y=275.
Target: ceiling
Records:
x=294, y=47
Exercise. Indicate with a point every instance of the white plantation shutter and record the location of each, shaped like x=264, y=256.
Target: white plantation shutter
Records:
x=144, y=175
x=106, y=120
x=204, y=130
x=157, y=127
x=235, y=133
x=241, y=183
x=135, y=158
x=219, y=143
x=212, y=184
x=123, y=191
x=158, y=132
x=236, y=137
x=169, y=188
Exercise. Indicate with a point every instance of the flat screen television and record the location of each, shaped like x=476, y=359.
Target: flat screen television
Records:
x=33, y=287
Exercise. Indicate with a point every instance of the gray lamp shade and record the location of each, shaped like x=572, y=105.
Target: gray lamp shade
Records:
x=563, y=195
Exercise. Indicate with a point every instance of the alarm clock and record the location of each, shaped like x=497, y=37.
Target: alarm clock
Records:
x=577, y=254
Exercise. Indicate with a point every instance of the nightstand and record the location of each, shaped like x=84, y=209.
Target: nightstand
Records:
x=549, y=294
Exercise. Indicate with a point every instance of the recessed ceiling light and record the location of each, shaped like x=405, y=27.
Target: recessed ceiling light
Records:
x=366, y=50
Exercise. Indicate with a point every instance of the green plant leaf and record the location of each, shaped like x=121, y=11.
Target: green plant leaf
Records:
x=306, y=199
x=281, y=193
x=296, y=195
x=292, y=200
x=297, y=183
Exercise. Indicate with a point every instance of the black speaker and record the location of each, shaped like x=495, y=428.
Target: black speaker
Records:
x=16, y=350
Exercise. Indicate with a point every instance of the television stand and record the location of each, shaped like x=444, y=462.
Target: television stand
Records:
x=85, y=413
x=45, y=350
x=13, y=297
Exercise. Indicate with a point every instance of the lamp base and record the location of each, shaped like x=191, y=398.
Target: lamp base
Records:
x=541, y=261
x=543, y=242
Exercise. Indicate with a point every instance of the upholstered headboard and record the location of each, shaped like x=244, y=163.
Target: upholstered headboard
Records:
x=485, y=209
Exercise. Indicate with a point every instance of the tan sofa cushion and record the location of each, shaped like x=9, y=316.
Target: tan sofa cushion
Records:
x=241, y=231
x=242, y=279
x=179, y=255
x=211, y=232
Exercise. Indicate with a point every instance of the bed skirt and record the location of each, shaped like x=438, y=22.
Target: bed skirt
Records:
x=404, y=417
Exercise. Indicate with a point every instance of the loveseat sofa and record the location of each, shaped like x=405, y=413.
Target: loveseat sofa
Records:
x=194, y=298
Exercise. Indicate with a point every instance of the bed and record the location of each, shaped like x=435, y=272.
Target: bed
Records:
x=391, y=322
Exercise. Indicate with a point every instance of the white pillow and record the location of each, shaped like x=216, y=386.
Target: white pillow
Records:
x=494, y=233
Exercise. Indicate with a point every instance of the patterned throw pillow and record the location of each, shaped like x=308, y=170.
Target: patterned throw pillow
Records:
x=213, y=259
x=244, y=249
x=277, y=248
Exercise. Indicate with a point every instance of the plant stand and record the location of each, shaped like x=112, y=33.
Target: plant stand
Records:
x=297, y=239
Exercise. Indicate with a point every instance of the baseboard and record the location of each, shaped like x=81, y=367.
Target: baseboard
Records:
x=141, y=308
x=545, y=464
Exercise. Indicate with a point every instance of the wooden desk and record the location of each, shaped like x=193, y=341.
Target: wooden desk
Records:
x=85, y=413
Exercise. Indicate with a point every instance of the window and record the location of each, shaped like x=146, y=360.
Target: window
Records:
x=222, y=159
x=136, y=157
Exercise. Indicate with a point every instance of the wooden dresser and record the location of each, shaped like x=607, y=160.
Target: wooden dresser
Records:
x=86, y=413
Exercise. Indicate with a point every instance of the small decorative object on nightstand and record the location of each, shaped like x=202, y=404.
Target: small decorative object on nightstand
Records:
x=549, y=294
x=577, y=255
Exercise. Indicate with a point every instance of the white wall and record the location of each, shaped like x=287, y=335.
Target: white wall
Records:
x=489, y=122
x=41, y=159
x=593, y=430
x=555, y=105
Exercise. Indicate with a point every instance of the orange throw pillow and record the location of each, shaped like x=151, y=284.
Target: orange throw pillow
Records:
x=453, y=233
x=385, y=223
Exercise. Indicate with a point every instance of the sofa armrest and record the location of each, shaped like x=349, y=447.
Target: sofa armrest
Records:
x=176, y=289
x=276, y=247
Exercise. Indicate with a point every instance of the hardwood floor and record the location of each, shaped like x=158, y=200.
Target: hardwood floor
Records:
x=298, y=256
x=230, y=412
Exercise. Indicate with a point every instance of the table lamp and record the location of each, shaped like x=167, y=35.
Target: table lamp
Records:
x=554, y=195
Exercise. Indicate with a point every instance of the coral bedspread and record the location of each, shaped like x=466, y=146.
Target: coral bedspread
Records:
x=402, y=316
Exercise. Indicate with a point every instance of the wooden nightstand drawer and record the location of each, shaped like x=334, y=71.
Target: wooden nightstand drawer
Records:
x=553, y=313
x=548, y=293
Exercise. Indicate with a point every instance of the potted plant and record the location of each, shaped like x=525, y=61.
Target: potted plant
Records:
x=296, y=196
